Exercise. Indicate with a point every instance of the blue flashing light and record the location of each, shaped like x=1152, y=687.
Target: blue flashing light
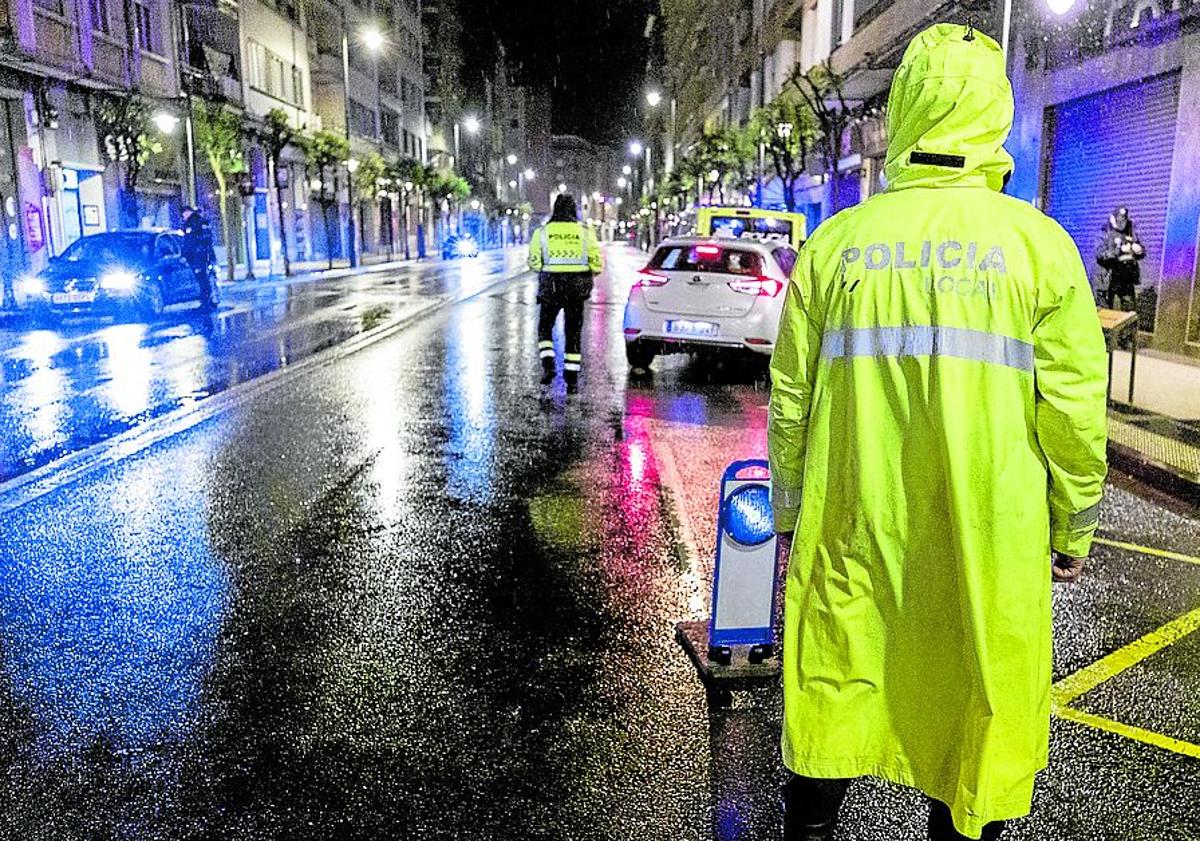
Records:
x=747, y=515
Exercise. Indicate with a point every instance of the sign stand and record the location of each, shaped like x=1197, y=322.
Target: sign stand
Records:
x=735, y=650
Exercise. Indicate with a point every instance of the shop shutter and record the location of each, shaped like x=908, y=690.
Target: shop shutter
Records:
x=1111, y=149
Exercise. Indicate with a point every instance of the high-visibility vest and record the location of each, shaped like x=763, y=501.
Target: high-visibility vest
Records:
x=564, y=247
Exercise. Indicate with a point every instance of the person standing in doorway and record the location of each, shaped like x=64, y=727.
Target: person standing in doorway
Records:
x=937, y=441
x=1119, y=256
x=566, y=256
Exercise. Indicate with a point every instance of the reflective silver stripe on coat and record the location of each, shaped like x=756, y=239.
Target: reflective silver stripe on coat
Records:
x=547, y=260
x=958, y=342
x=1086, y=518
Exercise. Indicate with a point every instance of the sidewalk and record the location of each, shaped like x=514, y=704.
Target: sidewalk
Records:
x=1158, y=435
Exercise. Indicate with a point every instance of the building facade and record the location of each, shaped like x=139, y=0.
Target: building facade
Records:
x=67, y=66
x=1108, y=115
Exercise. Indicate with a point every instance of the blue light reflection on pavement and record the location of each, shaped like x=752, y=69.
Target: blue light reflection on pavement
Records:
x=88, y=380
x=108, y=633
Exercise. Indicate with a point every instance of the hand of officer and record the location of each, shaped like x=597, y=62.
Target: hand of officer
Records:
x=1065, y=568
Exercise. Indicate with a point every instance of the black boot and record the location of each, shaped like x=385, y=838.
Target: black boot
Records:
x=547, y=370
x=810, y=808
x=571, y=378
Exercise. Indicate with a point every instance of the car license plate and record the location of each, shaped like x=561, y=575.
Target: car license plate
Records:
x=692, y=328
x=73, y=297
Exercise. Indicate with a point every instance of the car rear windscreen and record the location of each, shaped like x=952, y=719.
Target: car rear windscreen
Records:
x=707, y=258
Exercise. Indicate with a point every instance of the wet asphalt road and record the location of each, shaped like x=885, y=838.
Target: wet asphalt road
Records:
x=91, y=379
x=412, y=594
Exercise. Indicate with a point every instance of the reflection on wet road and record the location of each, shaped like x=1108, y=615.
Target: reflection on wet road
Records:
x=412, y=594
x=88, y=380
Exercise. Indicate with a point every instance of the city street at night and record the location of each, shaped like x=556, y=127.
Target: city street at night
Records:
x=402, y=590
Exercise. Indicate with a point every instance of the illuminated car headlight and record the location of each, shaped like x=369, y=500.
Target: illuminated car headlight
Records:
x=31, y=286
x=466, y=248
x=118, y=280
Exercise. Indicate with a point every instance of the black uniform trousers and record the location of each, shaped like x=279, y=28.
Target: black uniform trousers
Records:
x=566, y=291
x=811, y=807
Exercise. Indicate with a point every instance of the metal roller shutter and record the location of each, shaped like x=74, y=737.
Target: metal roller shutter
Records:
x=1110, y=149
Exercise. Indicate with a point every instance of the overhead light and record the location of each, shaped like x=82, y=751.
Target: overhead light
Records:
x=653, y=98
x=371, y=38
x=562, y=188
x=512, y=159
x=1060, y=7
x=635, y=148
x=165, y=121
x=471, y=124
x=529, y=174
x=627, y=169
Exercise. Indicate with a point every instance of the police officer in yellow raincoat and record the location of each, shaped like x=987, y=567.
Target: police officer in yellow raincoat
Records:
x=566, y=255
x=937, y=443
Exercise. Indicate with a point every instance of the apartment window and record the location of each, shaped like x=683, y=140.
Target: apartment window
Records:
x=387, y=79
x=100, y=16
x=406, y=147
x=362, y=120
x=867, y=10
x=271, y=75
x=389, y=126
x=144, y=15
x=55, y=6
x=839, y=10
x=297, y=86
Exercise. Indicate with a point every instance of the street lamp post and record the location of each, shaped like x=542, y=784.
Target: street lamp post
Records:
x=350, y=249
x=373, y=40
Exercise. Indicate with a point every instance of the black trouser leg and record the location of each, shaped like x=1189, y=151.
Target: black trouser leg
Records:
x=548, y=308
x=941, y=827
x=573, y=334
x=810, y=807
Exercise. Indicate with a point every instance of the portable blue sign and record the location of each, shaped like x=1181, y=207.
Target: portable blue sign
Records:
x=744, y=577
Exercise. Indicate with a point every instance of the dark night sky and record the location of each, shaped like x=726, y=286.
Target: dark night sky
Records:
x=591, y=53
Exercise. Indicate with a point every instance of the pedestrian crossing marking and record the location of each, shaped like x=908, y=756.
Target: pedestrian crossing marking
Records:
x=1089, y=677
x=1147, y=550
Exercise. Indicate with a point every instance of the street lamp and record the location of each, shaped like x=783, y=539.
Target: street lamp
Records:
x=165, y=121
x=529, y=174
x=472, y=125
x=627, y=169
x=653, y=98
x=621, y=182
x=635, y=148
x=562, y=188
x=512, y=159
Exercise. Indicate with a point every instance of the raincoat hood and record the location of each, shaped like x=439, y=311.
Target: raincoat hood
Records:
x=949, y=112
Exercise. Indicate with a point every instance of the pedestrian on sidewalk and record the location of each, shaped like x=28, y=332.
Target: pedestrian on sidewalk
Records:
x=1119, y=255
x=566, y=256
x=197, y=248
x=937, y=442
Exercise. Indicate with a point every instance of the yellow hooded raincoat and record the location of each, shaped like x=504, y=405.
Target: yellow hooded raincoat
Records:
x=937, y=424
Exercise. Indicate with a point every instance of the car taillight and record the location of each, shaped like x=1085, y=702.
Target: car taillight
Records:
x=648, y=277
x=767, y=287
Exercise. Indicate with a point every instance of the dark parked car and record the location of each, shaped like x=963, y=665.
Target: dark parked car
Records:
x=126, y=273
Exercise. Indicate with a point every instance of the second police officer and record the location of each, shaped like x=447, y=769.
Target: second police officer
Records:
x=566, y=256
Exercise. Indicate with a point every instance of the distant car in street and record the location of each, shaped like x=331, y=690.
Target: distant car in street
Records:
x=701, y=293
x=460, y=245
x=132, y=274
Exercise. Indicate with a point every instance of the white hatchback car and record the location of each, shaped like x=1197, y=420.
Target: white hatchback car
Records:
x=703, y=293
